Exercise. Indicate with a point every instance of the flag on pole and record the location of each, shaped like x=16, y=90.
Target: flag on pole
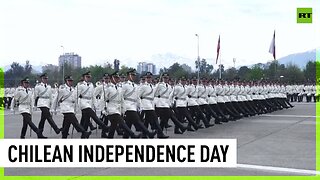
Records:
x=218, y=50
x=272, y=48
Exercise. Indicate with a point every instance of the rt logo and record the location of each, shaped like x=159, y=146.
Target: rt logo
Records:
x=304, y=15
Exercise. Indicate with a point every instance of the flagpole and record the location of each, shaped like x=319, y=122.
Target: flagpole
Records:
x=220, y=67
x=198, y=59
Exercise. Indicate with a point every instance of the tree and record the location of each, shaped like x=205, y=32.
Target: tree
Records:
x=124, y=69
x=310, y=71
x=176, y=71
x=216, y=74
x=14, y=74
x=230, y=74
x=256, y=73
x=293, y=74
x=243, y=72
x=271, y=72
x=205, y=68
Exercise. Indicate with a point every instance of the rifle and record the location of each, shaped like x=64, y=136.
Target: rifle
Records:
x=57, y=102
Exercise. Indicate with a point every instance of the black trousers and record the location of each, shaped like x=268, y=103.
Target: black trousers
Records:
x=165, y=114
x=237, y=106
x=197, y=112
x=27, y=121
x=133, y=118
x=217, y=109
x=152, y=119
x=206, y=109
x=295, y=97
x=115, y=120
x=46, y=115
x=9, y=100
x=182, y=112
x=85, y=119
x=226, y=110
x=259, y=106
x=68, y=119
x=230, y=106
x=249, y=107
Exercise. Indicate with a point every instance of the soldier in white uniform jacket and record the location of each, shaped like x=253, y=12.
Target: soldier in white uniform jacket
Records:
x=192, y=92
x=23, y=96
x=85, y=91
x=114, y=100
x=43, y=98
x=180, y=97
x=146, y=94
x=67, y=98
x=130, y=104
x=164, y=94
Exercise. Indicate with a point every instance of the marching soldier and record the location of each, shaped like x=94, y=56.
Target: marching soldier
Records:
x=180, y=96
x=192, y=92
x=227, y=99
x=224, y=103
x=114, y=101
x=308, y=89
x=301, y=92
x=212, y=100
x=130, y=105
x=146, y=94
x=81, y=120
x=248, y=96
x=122, y=79
x=164, y=94
x=67, y=98
x=9, y=92
x=85, y=90
x=23, y=96
x=203, y=104
x=43, y=99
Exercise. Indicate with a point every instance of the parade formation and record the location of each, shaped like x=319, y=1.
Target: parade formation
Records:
x=191, y=104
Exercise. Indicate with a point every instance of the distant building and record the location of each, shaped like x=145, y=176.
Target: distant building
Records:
x=146, y=67
x=116, y=64
x=50, y=67
x=72, y=59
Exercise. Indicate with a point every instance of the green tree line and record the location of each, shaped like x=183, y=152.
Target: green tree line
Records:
x=273, y=71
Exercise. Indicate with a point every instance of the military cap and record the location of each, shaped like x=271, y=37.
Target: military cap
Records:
x=148, y=74
x=43, y=75
x=165, y=75
x=88, y=73
x=25, y=80
x=122, y=75
x=132, y=71
x=182, y=78
x=68, y=78
x=194, y=78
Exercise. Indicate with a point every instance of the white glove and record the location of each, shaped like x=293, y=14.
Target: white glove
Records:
x=104, y=112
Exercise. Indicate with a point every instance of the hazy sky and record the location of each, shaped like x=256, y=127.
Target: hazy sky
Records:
x=135, y=30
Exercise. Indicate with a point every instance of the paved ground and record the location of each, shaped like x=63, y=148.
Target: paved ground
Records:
x=281, y=143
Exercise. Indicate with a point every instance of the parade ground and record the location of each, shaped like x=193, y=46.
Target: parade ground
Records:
x=279, y=143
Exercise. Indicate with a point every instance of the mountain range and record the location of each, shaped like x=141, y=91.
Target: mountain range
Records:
x=167, y=59
x=299, y=59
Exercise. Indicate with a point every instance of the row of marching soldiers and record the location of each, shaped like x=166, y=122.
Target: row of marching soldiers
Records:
x=307, y=92
x=199, y=103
